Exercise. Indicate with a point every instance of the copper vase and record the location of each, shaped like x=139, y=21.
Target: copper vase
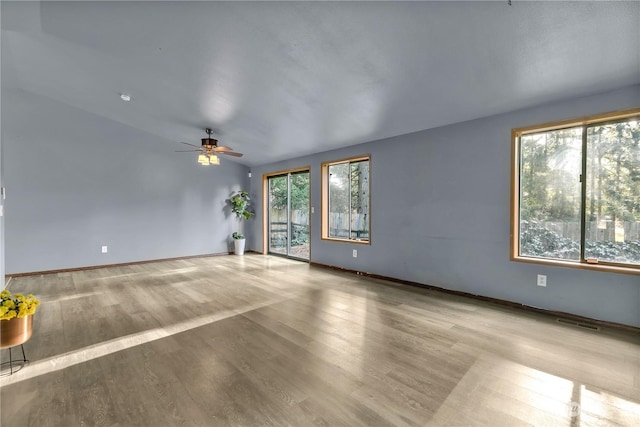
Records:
x=15, y=331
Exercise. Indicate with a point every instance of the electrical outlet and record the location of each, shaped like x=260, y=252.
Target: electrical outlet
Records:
x=105, y=249
x=355, y=253
x=542, y=280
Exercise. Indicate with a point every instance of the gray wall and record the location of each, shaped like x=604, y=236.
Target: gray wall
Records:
x=76, y=181
x=440, y=214
x=2, y=277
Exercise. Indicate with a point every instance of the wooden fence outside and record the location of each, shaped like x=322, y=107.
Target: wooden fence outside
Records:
x=339, y=223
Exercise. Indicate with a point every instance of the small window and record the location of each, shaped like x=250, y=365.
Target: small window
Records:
x=345, y=200
x=576, y=192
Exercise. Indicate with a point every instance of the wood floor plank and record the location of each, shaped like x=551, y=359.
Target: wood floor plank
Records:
x=265, y=341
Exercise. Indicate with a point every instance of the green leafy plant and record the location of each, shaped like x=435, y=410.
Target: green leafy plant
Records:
x=240, y=205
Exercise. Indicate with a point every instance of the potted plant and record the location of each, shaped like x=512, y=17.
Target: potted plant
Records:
x=240, y=207
x=238, y=243
x=16, y=322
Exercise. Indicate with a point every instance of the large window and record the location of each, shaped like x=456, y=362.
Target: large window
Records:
x=345, y=200
x=576, y=192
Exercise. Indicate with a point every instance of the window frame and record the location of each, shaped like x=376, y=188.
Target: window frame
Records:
x=324, y=235
x=265, y=204
x=516, y=133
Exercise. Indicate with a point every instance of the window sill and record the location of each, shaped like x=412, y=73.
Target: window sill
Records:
x=357, y=242
x=605, y=268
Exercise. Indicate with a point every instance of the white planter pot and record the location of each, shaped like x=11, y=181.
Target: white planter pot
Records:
x=239, y=246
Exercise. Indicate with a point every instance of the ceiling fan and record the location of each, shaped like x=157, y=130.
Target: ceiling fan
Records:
x=209, y=150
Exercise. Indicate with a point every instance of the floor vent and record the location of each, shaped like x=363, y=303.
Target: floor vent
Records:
x=579, y=324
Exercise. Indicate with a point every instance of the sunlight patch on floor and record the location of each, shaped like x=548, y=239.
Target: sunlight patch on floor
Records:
x=77, y=295
x=66, y=360
x=499, y=392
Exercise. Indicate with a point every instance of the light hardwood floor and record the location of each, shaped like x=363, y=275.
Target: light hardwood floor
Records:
x=264, y=341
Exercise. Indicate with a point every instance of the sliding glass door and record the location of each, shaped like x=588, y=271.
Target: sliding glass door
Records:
x=288, y=214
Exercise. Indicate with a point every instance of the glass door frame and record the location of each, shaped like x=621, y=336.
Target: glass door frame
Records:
x=266, y=211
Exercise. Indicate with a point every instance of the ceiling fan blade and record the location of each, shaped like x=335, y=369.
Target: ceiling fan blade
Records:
x=222, y=148
x=185, y=151
x=191, y=145
x=230, y=153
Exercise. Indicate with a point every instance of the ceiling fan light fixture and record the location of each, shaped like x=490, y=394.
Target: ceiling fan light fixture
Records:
x=203, y=159
x=209, y=150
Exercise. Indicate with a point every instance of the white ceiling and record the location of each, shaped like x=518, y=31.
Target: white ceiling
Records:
x=279, y=80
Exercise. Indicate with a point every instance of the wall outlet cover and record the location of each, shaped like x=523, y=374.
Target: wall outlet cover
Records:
x=542, y=280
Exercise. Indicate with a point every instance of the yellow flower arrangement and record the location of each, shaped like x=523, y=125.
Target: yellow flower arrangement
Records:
x=17, y=305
